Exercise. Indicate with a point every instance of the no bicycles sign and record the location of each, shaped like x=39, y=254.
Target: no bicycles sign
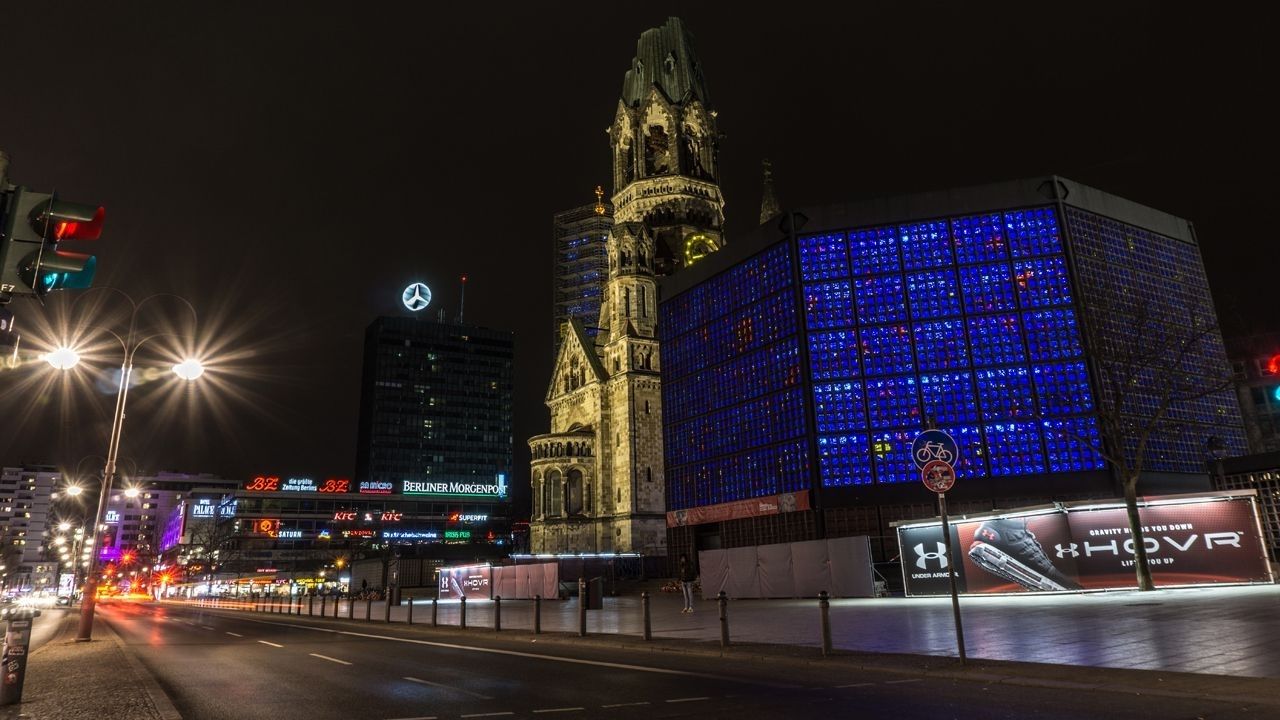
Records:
x=938, y=476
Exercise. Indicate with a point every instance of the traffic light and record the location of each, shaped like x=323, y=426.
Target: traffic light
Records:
x=33, y=224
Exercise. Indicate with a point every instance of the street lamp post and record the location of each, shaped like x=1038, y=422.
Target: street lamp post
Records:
x=66, y=358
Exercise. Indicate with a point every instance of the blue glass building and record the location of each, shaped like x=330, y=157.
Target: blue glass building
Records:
x=810, y=362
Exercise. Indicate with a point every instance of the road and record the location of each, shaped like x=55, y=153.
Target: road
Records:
x=238, y=667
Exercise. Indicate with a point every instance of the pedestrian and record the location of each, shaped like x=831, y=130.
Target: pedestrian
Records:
x=687, y=575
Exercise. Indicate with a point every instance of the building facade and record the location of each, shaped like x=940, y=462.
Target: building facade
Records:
x=1259, y=472
x=581, y=267
x=26, y=494
x=597, y=477
x=799, y=369
x=435, y=404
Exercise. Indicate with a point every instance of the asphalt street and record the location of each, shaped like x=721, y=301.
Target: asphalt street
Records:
x=215, y=665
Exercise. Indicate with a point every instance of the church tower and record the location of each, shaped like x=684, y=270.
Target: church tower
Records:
x=597, y=476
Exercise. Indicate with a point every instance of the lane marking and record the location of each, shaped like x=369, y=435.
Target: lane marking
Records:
x=618, y=705
x=447, y=687
x=854, y=685
x=420, y=717
x=492, y=714
x=234, y=634
x=694, y=699
x=535, y=656
x=264, y=642
x=326, y=657
x=208, y=627
x=551, y=710
x=899, y=682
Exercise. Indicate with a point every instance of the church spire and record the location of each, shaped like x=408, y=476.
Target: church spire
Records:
x=768, y=199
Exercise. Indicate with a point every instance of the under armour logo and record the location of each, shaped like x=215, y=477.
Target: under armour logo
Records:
x=1070, y=549
x=922, y=556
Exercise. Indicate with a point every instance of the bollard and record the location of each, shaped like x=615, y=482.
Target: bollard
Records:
x=537, y=614
x=582, y=607
x=335, y=607
x=435, y=607
x=644, y=603
x=410, y=609
x=724, y=619
x=497, y=614
x=324, y=605
x=368, y=609
x=824, y=604
x=463, y=604
x=386, y=611
x=311, y=606
x=351, y=608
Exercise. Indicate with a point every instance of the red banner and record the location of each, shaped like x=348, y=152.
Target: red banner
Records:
x=755, y=507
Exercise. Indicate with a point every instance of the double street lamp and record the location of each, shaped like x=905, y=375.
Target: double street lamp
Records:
x=65, y=358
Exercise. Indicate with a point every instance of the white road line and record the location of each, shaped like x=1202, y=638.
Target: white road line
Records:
x=264, y=642
x=551, y=710
x=493, y=714
x=899, y=682
x=208, y=627
x=618, y=705
x=854, y=685
x=326, y=657
x=420, y=717
x=234, y=634
x=448, y=687
x=696, y=699
x=535, y=656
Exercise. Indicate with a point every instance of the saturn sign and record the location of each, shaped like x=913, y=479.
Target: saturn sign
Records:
x=416, y=297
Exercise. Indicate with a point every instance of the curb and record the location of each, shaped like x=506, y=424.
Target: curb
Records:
x=159, y=698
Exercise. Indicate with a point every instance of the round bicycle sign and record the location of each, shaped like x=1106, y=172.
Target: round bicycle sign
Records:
x=938, y=476
x=933, y=445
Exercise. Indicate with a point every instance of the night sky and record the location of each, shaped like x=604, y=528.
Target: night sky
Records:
x=290, y=169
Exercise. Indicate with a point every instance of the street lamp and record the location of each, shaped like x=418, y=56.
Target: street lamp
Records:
x=66, y=358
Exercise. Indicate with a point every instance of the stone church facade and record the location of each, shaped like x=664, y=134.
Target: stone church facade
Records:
x=597, y=476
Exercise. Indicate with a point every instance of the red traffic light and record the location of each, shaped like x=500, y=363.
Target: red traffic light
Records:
x=68, y=221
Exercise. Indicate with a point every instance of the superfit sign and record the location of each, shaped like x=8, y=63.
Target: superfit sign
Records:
x=1190, y=540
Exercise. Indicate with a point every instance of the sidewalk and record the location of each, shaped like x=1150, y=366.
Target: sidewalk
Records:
x=1221, y=631
x=67, y=680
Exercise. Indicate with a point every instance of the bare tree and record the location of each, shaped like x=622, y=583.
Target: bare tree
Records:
x=213, y=546
x=1151, y=361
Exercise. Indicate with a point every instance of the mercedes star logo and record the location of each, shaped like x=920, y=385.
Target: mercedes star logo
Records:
x=416, y=297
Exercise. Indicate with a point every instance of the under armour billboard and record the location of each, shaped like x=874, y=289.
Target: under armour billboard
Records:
x=1190, y=540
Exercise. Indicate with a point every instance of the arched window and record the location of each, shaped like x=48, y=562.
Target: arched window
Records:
x=538, y=503
x=555, y=494
x=575, y=502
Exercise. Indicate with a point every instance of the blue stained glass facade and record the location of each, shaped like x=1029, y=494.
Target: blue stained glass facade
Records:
x=1147, y=294
x=967, y=321
x=734, y=402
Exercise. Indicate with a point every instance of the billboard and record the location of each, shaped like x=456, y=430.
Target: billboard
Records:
x=1190, y=540
x=754, y=507
x=471, y=581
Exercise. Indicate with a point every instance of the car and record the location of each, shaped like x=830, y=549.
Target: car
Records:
x=63, y=600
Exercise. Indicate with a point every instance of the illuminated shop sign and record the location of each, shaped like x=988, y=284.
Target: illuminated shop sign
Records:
x=112, y=517
x=357, y=533
x=468, y=518
x=457, y=534
x=272, y=483
x=266, y=526
x=376, y=487
x=474, y=489
x=344, y=515
x=228, y=507
x=288, y=534
x=369, y=517
x=1190, y=540
x=410, y=535
x=204, y=508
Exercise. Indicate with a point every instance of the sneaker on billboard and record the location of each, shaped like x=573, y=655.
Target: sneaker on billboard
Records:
x=1005, y=547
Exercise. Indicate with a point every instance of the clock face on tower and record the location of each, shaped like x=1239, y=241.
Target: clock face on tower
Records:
x=416, y=297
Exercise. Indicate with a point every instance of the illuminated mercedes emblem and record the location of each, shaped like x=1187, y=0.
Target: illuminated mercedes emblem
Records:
x=416, y=297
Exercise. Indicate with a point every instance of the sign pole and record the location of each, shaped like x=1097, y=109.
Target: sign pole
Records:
x=951, y=574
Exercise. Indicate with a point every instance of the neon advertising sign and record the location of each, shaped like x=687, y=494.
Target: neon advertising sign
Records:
x=376, y=487
x=273, y=483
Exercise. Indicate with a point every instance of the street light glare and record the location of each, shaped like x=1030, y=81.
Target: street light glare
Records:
x=74, y=490
x=131, y=492
x=64, y=358
x=189, y=369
